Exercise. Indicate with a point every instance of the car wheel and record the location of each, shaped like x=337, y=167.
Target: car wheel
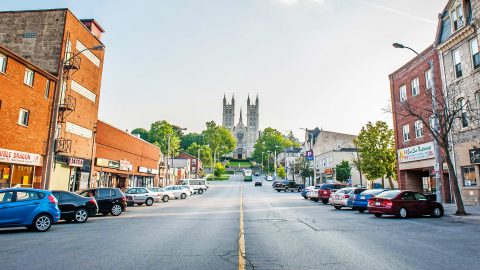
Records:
x=81, y=215
x=299, y=190
x=378, y=215
x=200, y=191
x=42, y=223
x=338, y=207
x=278, y=190
x=286, y=189
x=165, y=198
x=437, y=212
x=149, y=202
x=305, y=197
x=116, y=210
x=315, y=200
x=361, y=210
x=324, y=201
x=402, y=213
x=183, y=196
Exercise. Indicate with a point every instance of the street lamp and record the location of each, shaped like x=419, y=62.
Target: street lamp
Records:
x=56, y=105
x=275, y=165
x=436, y=149
x=311, y=149
x=268, y=161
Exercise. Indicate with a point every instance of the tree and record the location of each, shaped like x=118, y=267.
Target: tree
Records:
x=219, y=169
x=191, y=138
x=281, y=172
x=160, y=133
x=343, y=171
x=303, y=167
x=142, y=132
x=269, y=141
x=377, y=148
x=293, y=139
x=220, y=139
x=205, y=153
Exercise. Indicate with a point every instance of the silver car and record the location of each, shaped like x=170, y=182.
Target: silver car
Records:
x=163, y=194
x=142, y=195
x=178, y=191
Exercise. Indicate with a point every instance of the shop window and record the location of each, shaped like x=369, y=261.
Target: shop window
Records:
x=22, y=176
x=469, y=177
x=3, y=63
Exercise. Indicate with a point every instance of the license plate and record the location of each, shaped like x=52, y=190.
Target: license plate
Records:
x=362, y=197
x=377, y=203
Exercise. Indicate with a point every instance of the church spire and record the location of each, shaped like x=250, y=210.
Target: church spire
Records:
x=241, y=119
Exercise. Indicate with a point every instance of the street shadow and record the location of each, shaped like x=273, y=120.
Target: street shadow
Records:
x=15, y=230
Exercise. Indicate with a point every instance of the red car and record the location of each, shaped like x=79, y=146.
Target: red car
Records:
x=327, y=189
x=403, y=204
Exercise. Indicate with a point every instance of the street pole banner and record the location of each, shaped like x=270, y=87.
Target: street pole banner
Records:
x=309, y=155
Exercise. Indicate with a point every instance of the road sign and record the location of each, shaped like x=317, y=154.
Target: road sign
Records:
x=309, y=155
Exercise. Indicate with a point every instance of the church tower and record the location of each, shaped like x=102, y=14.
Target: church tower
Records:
x=252, y=115
x=228, y=113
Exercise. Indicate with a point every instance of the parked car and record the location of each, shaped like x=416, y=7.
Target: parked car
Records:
x=403, y=204
x=190, y=190
x=143, y=195
x=313, y=193
x=344, y=197
x=165, y=195
x=360, y=201
x=327, y=189
x=36, y=209
x=288, y=186
x=258, y=182
x=257, y=174
x=305, y=191
x=198, y=185
x=109, y=200
x=75, y=207
x=177, y=191
x=268, y=178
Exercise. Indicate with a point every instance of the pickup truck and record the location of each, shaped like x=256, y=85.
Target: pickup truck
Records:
x=288, y=186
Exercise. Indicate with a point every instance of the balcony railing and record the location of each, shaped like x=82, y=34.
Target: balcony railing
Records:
x=63, y=145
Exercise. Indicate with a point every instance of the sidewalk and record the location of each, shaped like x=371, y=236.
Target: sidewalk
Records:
x=472, y=210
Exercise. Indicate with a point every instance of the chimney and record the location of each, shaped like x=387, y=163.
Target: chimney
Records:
x=94, y=27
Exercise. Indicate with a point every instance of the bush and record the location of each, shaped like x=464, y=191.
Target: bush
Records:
x=219, y=169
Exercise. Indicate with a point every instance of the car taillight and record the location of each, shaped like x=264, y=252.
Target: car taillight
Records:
x=52, y=199
x=386, y=203
x=346, y=196
x=124, y=198
x=370, y=202
x=92, y=200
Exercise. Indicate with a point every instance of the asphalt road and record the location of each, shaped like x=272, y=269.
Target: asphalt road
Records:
x=281, y=231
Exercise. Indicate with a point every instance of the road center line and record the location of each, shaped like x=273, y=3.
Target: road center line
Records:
x=241, y=238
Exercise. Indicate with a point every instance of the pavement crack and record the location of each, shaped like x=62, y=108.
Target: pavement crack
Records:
x=306, y=224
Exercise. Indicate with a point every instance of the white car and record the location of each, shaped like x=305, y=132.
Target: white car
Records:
x=308, y=189
x=312, y=194
x=269, y=178
x=190, y=189
x=199, y=185
x=141, y=195
x=178, y=191
x=163, y=194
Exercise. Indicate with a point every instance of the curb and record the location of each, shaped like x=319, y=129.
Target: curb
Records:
x=467, y=219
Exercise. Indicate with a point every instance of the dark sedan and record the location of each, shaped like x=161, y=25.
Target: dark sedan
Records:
x=403, y=204
x=75, y=207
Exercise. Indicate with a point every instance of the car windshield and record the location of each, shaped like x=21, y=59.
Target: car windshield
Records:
x=388, y=194
x=372, y=192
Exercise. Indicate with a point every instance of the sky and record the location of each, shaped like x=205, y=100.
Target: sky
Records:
x=313, y=63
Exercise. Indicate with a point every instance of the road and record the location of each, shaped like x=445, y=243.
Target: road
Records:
x=281, y=231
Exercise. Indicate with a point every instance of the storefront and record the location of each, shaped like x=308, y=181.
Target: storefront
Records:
x=469, y=181
x=112, y=173
x=145, y=180
x=20, y=169
x=70, y=173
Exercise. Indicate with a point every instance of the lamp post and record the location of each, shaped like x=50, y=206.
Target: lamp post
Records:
x=261, y=167
x=311, y=149
x=436, y=149
x=268, y=162
x=275, y=165
x=54, y=120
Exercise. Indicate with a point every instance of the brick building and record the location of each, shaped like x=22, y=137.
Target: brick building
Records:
x=57, y=41
x=26, y=94
x=124, y=160
x=196, y=167
x=410, y=86
x=457, y=44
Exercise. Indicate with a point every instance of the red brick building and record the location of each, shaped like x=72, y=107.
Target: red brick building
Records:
x=26, y=96
x=124, y=160
x=409, y=86
x=196, y=167
x=57, y=41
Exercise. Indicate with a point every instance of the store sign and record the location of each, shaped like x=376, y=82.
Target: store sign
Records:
x=417, y=152
x=102, y=162
x=475, y=156
x=125, y=165
x=11, y=156
x=75, y=162
x=142, y=169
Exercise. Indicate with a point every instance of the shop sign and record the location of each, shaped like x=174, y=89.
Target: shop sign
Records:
x=142, y=169
x=114, y=164
x=417, y=152
x=125, y=165
x=11, y=156
x=329, y=171
x=475, y=156
x=75, y=162
x=101, y=162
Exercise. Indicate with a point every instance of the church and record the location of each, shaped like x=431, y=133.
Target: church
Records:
x=246, y=135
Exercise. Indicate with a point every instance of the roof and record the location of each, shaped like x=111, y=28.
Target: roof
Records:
x=94, y=22
x=138, y=138
x=25, y=62
x=186, y=154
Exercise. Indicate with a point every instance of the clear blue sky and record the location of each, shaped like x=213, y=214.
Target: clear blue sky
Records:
x=313, y=62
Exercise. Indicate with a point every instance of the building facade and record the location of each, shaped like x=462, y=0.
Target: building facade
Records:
x=246, y=135
x=61, y=44
x=410, y=87
x=196, y=166
x=457, y=45
x=123, y=160
x=26, y=96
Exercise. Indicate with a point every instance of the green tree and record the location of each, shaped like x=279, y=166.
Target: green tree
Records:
x=281, y=172
x=269, y=141
x=142, y=132
x=303, y=167
x=293, y=139
x=343, y=171
x=159, y=134
x=191, y=138
x=376, y=145
x=205, y=153
x=219, y=169
x=220, y=139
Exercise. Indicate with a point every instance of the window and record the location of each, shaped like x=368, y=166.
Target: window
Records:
x=3, y=63
x=408, y=196
x=415, y=90
x=462, y=110
x=6, y=197
x=475, y=53
x=47, y=89
x=420, y=197
x=468, y=175
x=457, y=63
x=403, y=93
x=418, y=129
x=406, y=133
x=23, y=196
x=103, y=193
x=339, y=144
x=29, y=75
x=23, y=117
x=457, y=18
x=428, y=82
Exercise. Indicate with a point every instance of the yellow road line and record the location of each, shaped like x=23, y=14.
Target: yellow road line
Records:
x=241, y=238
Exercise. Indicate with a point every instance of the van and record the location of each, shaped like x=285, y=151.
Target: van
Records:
x=199, y=185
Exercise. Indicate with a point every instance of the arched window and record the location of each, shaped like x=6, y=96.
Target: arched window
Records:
x=462, y=110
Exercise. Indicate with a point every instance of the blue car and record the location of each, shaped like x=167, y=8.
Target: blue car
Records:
x=34, y=208
x=360, y=201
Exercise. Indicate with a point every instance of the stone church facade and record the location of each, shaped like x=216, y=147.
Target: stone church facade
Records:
x=246, y=135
